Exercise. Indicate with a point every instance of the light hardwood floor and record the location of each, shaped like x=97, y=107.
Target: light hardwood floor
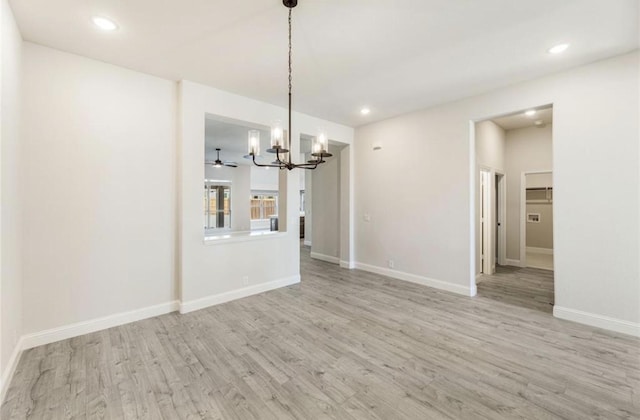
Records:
x=343, y=345
x=525, y=287
x=539, y=260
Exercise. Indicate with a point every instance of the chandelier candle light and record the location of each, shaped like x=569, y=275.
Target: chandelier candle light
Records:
x=319, y=147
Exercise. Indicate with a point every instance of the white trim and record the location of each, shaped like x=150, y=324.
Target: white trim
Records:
x=473, y=169
x=502, y=217
x=600, y=321
x=231, y=237
x=12, y=364
x=205, y=302
x=473, y=290
x=347, y=264
x=424, y=281
x=515, y=263
x=486, y=199
x=545, y=251
x=307, y=243
x=85, y=327
x=326, y=258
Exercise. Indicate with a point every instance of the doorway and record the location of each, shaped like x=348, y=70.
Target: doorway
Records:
x=514, y=208
x=326, y=205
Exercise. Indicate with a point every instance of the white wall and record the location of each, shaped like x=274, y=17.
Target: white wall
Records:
x=263, y=179
x=214, y=271
x=427, y=225
x=10, y=211
x=325, y=222
x=99, y=148
x=527, y=149
x=490, y=145
x=541, y=180
x=308, y=209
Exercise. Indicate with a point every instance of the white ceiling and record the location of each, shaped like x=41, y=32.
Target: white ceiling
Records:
x=521, y=120
x=394, y=56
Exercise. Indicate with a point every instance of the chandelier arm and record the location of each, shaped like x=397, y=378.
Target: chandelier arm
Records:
x=264, y=165
x=308, y=165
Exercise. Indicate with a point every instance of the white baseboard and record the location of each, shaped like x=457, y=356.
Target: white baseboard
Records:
x=205, y=302
x=347, y=264
x=93, y=325
x=473, y=290
x=307, y=243
x=595, y=320
x=326, y=258
x=545, y=251
x=413, y=278
x=7, y=375
x=515, y=263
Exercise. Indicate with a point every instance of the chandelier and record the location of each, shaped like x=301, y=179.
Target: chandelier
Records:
x=281, y=141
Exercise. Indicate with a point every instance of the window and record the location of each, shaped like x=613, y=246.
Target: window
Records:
x=264, y=205
x=217, y=206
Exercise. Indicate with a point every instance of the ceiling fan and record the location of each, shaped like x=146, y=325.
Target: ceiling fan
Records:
x=219, y=164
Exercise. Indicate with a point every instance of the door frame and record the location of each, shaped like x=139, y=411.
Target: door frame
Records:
x=523, y=212
x=495, y=215
x=484, y=177
x=501, y=216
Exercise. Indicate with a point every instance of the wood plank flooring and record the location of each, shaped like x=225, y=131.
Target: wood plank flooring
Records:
x=340, y=345
x=525, y=287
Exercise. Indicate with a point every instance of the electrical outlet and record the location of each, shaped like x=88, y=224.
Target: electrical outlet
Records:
x=367, y=217
x=245, y=280
x=391, y=263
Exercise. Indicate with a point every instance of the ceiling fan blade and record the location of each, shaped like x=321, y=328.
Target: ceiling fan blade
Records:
x=231, y=164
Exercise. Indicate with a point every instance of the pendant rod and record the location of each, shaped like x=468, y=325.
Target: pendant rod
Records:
x=288, y=163
x=289, y=134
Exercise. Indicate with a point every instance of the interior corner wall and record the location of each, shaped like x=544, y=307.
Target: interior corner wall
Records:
x=99, y=231
x=10, y=212
x=527, y=149
x=325, y=222
x=426, y=226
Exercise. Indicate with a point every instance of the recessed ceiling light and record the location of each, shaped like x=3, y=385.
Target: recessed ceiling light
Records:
x=104, y=23
x=365, y=111
x=530, y=113
x=539, y=122
x=557, y=49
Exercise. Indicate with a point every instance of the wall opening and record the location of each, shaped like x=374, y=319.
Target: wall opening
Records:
x=513, y=184
x=323, y=212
